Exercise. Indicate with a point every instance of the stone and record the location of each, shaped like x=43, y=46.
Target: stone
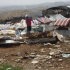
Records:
x=4, y=59
x=32, y=53
x=45, y=44
x=67, y=66
x=24, y=61
x=38, y=55
x=36, y=67
x=58, y=43
x=39, y=67
x=6, y=55
x=50, y=44
x=53, y=67
x=12, y=59
x=42, y=50
x=49, y=57
x=57, y=46
x=20, y=57
x=60, y=67
x=18, y=53
x=57, y=56
x=52, y=53
x=50, y=65
x=1, y=60
x=34, y=61
x=60, y=60
x=57, y=53
x=14, y=55
x=18, y=60
x=13, y=65
x=30, y=56
x=26, y=52
x=37, y=58
x=53, y=59
x=44, y=60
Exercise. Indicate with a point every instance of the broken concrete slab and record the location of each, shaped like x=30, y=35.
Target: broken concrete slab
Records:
x=40, y=40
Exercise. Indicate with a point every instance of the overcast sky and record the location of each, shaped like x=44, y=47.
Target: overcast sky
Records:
x=26, y=2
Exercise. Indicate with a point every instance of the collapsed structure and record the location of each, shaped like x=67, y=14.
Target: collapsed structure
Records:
x=44, y=29
x=63, y=10
x=63, y=27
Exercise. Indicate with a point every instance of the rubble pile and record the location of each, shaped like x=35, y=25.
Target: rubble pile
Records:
x=38, y=56
x=46, y=47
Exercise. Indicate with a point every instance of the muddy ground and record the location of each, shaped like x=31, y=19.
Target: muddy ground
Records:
x=15, y=55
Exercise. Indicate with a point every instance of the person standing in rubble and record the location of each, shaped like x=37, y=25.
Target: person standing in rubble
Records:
x=28, y=22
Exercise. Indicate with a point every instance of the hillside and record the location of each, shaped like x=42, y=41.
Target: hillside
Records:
x=6, y=9
x=10, y=15
x=16, y=11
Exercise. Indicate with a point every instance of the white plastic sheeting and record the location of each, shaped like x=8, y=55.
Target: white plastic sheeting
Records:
x=36, y=22
x=48, y=27
x=18, y=25
x=4, y=26
x=22, y=24
x=4, y=32
x=23, y=32
x=68, y=6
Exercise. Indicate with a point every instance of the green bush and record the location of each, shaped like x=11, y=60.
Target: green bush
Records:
x=7, y=66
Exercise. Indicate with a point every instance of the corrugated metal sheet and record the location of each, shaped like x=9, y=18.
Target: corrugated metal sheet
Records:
x=62, y=22
x=56, y=17
x=63, y=32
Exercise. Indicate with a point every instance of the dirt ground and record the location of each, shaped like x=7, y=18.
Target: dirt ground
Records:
x=15, y=55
